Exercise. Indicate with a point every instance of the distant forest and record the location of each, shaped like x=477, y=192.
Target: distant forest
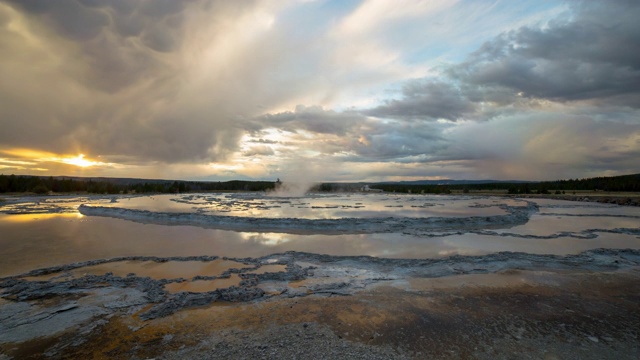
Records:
x=43, y=185
x=630, y=183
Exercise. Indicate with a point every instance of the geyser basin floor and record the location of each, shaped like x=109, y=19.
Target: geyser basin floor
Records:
x=145, y=289
x=573, y=307
x=62, y=235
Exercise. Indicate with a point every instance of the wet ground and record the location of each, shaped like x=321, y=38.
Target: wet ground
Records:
x=470, y=277
x=355, y=308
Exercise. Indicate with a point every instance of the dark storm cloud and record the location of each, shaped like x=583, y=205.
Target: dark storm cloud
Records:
x=120, y=78
x=83, y=20
x=594, y=56
x=427, y=100
x=311, y=118
x=69, y=17
x=118, y=38
x=263, y=141
x=395, y=141
x=362, y=138
x=259, y=151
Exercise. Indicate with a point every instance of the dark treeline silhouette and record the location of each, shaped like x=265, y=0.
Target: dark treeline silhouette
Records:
x=416, y=189
x=613, y=183
x=42, y=185
x=630, y=183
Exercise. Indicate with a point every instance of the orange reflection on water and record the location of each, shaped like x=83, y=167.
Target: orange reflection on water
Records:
x=22, y=218
x=203, y=285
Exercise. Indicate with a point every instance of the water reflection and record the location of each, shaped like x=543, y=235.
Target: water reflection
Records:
x=187, y=275
x=318, y=206
x=37, y=240
x=548, y=225
x=203, y=285
x=20, y=218
x=268, y=239
x=43, y=205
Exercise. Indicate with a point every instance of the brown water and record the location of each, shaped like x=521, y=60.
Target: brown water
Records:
x=152, y=269
x=210, y=285
x=203, y=285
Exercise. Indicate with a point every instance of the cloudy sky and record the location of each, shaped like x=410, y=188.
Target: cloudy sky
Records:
x=325, y=90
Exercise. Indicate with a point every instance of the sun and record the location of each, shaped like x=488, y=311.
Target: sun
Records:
x=79, y=161
x=33, y=157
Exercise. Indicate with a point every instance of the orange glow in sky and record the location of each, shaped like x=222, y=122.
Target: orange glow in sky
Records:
x=79, y=161
x=37, y=156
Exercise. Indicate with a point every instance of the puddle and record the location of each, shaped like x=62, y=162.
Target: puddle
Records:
x=203, y=285
x=303, y=283
x=269, y=269
x=210, y=285
x=152, y=269
x=168, y=270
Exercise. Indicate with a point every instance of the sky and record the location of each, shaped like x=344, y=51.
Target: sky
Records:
x=344, y=90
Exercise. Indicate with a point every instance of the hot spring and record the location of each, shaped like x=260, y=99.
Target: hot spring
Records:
x=46, y=231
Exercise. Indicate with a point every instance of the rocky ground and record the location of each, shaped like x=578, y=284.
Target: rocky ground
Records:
x=504, y=305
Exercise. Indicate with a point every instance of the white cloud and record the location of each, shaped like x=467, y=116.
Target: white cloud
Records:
x=372, y=15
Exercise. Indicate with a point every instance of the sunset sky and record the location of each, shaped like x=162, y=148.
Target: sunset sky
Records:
x=366, y=90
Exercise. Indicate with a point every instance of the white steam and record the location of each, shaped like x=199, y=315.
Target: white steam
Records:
x=289, y=189
x=298, y=178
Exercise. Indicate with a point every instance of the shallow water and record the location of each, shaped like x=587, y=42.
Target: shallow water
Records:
x=152, y=269
x=203, y=285
x=540, y=224
x=53, y=232
x=316, y=206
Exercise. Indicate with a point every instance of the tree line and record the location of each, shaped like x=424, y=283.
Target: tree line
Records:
x=627, y=183
x=43, y=185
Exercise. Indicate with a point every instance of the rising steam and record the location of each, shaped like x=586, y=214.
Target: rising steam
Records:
x=299, y=177
x=290, y=189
